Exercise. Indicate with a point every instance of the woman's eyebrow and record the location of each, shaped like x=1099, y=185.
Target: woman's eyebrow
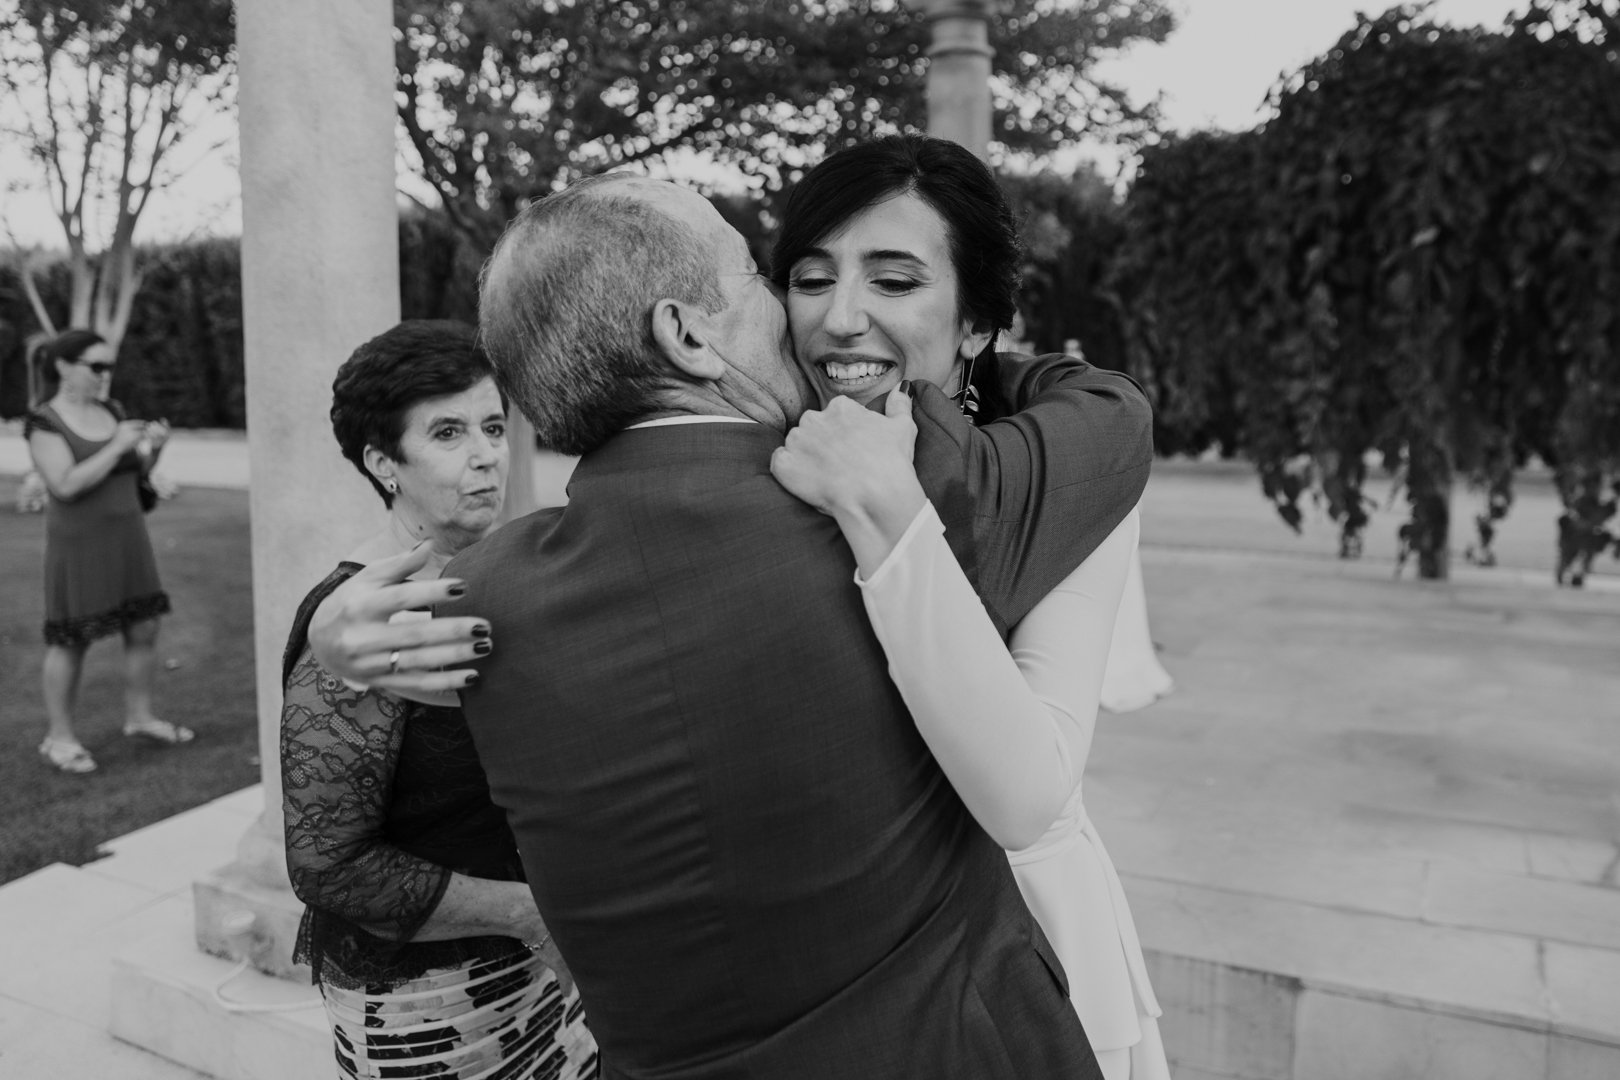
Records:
x=871, y=255
x=891, y=255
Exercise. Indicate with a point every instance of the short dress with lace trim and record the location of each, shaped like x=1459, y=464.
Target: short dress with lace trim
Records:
x=100, y=575
x=382, y=801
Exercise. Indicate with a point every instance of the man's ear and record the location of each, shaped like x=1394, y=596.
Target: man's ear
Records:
x=681, y=333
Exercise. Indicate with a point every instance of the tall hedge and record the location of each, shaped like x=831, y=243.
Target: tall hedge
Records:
x=182, y=356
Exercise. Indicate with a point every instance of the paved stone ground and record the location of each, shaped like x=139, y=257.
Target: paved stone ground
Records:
x=1218, y=505
x=1399, y=786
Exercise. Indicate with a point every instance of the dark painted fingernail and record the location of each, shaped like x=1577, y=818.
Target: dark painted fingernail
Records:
x=482, y=647
x=481, y=630
x=457, y=589
x=472, y=679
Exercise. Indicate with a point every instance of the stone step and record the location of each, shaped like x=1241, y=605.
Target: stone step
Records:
x=1259, y=988
x=214, y=1016
x=37, y=1044
x=62, y=926
x=1439, y=968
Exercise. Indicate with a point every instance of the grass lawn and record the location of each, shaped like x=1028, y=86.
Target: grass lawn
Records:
x=205, y=681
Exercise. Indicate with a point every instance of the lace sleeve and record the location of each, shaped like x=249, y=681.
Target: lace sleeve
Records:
x=338, y=752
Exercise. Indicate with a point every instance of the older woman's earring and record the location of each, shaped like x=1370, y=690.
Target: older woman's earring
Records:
x=392, y=486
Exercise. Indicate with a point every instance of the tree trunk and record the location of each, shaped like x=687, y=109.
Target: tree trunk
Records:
x=36, y=379
x=1583, y=527
x=1429, y=477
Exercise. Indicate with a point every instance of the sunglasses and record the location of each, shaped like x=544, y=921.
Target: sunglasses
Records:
x=99, y=367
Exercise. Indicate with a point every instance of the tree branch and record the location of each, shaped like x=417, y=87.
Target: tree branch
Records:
x=31, y=289
x=432, y=168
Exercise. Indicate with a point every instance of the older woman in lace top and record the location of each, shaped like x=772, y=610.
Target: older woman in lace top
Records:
x=420, y=929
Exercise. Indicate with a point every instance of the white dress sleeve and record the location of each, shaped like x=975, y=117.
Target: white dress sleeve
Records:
x=1010, y=725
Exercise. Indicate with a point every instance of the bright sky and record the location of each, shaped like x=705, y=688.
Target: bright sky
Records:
x=1214, y=71
x=1225, y=55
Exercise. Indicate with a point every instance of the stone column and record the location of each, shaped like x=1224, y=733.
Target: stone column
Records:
x=959, y=70
x=320, y=275
x=522, y=479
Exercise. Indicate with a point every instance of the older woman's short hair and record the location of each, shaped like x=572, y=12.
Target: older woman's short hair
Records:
x=383, y=379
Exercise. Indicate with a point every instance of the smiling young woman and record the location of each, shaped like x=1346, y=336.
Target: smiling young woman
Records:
x=900, y=260
x=877, y=301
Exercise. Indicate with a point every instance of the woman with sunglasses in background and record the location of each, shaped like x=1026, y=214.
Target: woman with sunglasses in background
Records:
x=100, y=575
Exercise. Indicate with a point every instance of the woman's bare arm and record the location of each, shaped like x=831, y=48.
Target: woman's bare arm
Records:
x=68, y=480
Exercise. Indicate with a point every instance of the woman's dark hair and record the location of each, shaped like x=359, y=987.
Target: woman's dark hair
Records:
x=986, y=251
x=67, y=347
x=384, y=378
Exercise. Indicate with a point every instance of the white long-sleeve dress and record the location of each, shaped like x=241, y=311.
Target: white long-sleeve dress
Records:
x=1011, y=727
x=1135, y=679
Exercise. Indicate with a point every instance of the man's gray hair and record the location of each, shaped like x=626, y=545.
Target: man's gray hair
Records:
x=565, y=306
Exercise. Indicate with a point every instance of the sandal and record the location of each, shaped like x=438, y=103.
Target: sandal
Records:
x=66, y=755
x=160, y=731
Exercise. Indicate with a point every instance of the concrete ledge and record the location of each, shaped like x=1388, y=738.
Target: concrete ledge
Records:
x=1350, y=996
x=1442, y=971
x=1221, y=1020
x=38, y=1044
x=1227, y=1023
x=164, y=1000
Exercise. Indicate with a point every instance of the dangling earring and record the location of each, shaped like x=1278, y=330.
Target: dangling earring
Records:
x=967, y=398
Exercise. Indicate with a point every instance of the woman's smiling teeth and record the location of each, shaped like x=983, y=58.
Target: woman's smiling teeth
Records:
x=854, y=371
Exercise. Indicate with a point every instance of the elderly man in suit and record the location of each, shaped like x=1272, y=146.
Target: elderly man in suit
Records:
x=746, y=854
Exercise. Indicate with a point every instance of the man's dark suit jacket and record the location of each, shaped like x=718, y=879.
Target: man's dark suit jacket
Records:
x=1025, y=498
x=743, y=848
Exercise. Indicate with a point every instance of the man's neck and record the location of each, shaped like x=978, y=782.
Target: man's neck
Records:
x=700, y=401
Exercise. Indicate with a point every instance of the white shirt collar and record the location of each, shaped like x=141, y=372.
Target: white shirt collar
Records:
x=671, y=421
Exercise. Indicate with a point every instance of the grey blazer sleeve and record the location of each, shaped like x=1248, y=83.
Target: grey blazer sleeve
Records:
x=1027, y=497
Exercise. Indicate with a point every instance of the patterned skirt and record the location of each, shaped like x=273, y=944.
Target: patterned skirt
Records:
x=483, y=1020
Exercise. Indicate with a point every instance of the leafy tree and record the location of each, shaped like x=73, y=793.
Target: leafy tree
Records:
x=503, y=100
x=1187, y=288
x=1415, y=257
x=1072, y=227
x=99, y=93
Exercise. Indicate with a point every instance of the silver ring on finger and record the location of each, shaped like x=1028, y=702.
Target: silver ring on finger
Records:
x=393, y=662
